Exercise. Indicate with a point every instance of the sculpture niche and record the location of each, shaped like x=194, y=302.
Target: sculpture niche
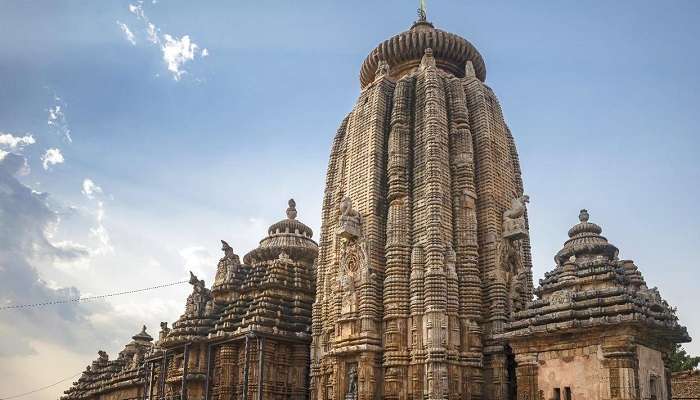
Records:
x=512, y=271
x=353, y=257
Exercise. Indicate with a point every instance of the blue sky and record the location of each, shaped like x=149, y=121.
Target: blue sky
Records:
x=602, y=98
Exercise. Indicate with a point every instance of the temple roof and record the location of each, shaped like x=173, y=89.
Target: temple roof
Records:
x=590, y=287
x=288, y=235
x=404, y=51
x=585, y=238
x=142, y=336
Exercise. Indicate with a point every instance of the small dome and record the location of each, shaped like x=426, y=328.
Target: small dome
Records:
x=404, y=52
x=143, y=336
x=585, y=240
x=288, y=236
x=291, y=224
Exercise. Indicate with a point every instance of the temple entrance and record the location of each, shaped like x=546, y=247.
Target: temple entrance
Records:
x=511, y=366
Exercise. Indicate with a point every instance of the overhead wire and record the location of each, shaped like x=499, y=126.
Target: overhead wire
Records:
x=16, y=396
x=87, y=298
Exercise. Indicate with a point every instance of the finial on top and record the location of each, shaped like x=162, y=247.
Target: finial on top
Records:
x=143, y=330
x=422, y=14
x=292, y=210
x=583, y=215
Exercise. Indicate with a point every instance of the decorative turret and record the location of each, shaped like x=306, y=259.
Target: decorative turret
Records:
x=585, y=241
x=289, y=236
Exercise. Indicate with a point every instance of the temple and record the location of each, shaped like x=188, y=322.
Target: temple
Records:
x=421, y=285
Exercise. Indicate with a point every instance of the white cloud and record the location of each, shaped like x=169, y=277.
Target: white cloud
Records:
x=127, y=33
x=57, y=119
x=176, y=51
x=90, y=188
x=11, y=142
x=51, y=157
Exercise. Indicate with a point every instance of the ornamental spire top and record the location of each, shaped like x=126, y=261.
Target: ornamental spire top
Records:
x=422, y=14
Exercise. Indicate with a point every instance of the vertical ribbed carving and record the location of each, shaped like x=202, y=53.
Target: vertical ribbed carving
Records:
x=417, y=368
x=466, y=247
x=432, y=198
x=429, y=166
x=398, y=245
x=228, y=357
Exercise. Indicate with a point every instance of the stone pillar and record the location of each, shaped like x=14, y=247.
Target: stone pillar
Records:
x=526, y=373
x=622, y=365
x=227, y=360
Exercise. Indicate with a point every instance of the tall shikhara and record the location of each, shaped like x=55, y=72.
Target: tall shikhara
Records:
x=424, y=251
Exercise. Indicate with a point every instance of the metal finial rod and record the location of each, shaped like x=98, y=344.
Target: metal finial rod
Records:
x=422, y=14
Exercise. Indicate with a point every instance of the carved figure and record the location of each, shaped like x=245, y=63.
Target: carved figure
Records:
x=350, y=221
x=292, y=210
x=352, y=383
x=228, y=251
x=514, y=226
x=382, y=69
x=197, y=300
x=349, y=296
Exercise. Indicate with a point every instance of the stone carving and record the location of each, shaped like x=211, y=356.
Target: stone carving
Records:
x=164, y=330
x=382, y=69
x=514, y=225
x=197, y=301
x=350, y=221
x=227, y=265
x=352, y=383
x=562, y=297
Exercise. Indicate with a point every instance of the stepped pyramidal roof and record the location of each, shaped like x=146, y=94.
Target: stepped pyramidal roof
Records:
x=591, y=287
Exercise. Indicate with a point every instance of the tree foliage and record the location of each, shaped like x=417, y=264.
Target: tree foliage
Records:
x=682, y=361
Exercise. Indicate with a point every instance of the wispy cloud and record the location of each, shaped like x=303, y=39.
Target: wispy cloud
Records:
x=127, y=33
x=176, y=51
x=94, y=192
x=51, y=157
x=90, y=188
x=57, y=119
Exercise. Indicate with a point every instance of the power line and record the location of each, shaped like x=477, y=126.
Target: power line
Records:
x=39, y=389
x=87, y=298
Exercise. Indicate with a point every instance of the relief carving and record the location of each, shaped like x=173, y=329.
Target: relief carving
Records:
x=514, y=225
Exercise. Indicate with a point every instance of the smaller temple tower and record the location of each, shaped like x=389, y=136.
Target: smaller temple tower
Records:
x=597, y=331
x=248, y=337
x=124, y=375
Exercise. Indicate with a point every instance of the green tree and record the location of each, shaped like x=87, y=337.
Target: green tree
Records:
x=682, y=361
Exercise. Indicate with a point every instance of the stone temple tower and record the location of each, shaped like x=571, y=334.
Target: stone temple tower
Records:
x=424, y=251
